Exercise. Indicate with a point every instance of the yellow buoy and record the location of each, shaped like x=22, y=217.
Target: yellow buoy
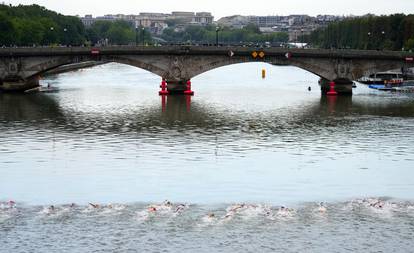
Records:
x=263, y=73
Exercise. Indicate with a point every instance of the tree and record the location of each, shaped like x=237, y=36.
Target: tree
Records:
x=410, y=44
x=25, y=25
x=367, y=32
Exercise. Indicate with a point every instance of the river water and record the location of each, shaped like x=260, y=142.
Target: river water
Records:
x=105, y=136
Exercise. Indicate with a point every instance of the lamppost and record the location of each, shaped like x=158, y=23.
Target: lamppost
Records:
x=369, y=39
x=136, y=35
x=65, y=31
x=383, y=39
x=217, y=38
x=51, y=34
x=302, y=38
x=143, y=35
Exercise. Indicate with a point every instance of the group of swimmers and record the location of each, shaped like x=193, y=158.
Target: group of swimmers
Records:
x=372, y=203
x=231, y=212
x=167, y=206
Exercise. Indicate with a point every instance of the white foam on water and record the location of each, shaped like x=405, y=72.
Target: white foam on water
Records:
x=143, y=215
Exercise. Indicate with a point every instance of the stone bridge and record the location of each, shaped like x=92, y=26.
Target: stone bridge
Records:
x=20, y=68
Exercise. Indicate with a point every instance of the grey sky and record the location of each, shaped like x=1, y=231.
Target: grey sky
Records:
x=221, y=8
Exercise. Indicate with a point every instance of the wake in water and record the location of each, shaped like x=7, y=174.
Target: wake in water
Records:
x=222, y=215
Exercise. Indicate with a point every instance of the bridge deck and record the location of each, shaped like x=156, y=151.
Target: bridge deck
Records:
x=203, y=50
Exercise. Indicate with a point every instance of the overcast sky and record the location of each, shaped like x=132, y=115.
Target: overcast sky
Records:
x=221, y=8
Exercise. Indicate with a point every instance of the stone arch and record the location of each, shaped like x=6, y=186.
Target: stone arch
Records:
x=304, y=64
x=49, y=64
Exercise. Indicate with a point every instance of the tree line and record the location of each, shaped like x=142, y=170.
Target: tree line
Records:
x=207, y=34
x=33, y=25
x=394, y=32
x=27, y=25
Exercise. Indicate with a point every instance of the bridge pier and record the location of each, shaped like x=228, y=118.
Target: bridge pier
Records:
x=177, y=87
x=18, y=85
x=342, y=87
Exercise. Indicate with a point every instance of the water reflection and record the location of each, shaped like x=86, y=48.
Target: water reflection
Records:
x=180, y=113
x=24, y=107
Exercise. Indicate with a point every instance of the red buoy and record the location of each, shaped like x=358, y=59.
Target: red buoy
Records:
x=188, y=91
x=163, y=90
x=332, y=91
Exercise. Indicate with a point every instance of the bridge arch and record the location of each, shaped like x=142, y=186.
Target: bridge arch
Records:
x=43, y=67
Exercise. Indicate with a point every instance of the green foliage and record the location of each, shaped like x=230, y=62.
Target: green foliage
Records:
x=27, y=25
x=207, y=34
x=118, y=32
x=368, y=32
x=410, y=44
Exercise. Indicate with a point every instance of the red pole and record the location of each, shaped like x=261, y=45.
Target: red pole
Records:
x=332, y=91
x=163, y=102
x=163, y=90
x=188, y=103
x=189, y=91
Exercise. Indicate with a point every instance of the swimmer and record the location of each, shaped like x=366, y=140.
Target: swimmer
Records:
x=284, y=211
x=232, y=210
x=180, y=208
x=9, y=205
x=152, y=209
x=236, y=207
x=209, y=217
x=12, y=204
x=167, y=203
x=95, y=206
x=379, y=204
x=321, y=208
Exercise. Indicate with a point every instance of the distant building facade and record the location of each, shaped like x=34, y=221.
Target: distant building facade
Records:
x=297, y=26
x=155, y=22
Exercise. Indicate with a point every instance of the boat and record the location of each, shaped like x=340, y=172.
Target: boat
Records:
x=406, y=87
x=389, y=79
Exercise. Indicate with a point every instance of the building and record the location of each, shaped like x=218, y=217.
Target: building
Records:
x=155, y=22
x=88, y=20
x=236, y=21
x=297, y=26
x=202, y=18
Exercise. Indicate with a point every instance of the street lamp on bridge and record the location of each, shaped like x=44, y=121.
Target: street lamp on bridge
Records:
x=143, y=36
x=51, y=35
x=368, y=40
x=65, y=31
x=136, y=35
x=302, y=38
x=217, y=34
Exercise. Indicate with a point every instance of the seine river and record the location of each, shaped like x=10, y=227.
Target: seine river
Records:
x=245, y=164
